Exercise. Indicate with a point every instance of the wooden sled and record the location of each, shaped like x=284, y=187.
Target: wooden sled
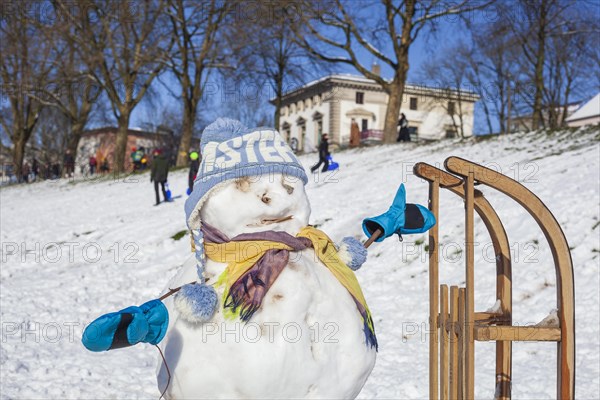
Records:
x=456, y=324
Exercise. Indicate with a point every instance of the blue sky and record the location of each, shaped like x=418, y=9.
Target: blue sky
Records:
x=449, y=31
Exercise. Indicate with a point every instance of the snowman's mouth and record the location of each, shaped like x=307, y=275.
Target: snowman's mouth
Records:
x=269, y=221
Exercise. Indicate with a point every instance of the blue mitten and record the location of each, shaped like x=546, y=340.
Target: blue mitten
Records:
x=352, y=253
x=401, y=219
x=147, y=323
x=390, y=221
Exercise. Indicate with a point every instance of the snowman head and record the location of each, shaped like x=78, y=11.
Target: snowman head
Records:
x=249, y=180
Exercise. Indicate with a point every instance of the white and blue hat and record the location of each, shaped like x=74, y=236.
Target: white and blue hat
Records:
x=231, y=151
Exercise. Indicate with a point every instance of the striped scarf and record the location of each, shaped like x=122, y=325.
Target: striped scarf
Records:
x=255, y=260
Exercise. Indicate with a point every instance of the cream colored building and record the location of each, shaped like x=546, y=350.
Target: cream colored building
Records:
x=329, y=104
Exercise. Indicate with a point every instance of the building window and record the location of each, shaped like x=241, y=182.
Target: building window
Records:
x=364, y=123
x=451, y=108
x=413, y=103
x=450, y=133
x=360, y=98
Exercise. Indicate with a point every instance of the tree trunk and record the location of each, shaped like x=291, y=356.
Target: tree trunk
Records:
x=121, y=143
x=277, y=115
x=189, y=115
x=278, y=100
x=73, y=141
x=392, y=112
x=18, y=154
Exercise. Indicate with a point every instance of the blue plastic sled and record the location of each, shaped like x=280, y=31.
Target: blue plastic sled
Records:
x=168, y=191
x=332, y=164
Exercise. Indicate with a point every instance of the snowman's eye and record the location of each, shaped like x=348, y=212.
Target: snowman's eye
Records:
x=288, y=188
x=243, y=184
x=265, y=199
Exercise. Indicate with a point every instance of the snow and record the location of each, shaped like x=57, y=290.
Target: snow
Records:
x=588, y=110
x=74, y=250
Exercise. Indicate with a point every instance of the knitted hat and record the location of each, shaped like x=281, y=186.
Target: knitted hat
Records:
x=231, y=151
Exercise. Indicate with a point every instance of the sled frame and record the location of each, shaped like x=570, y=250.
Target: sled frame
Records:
x=456, y=326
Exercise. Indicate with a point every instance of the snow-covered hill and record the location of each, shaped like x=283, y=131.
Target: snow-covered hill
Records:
x=74, y=250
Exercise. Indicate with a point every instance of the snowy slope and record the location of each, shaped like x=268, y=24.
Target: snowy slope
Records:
x=74, y=250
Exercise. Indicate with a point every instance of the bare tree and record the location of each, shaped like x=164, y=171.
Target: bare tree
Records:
x=494, y=70
x=125, y=46
x=25, y=63
x=71, y=89
x=270, y=55
x=194, y=27
x=535, y=25
x=448, y=73
x=350, y=26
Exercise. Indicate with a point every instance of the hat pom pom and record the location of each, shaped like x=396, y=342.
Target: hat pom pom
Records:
x=352, y=253
x=222, y=129
x=196, y=303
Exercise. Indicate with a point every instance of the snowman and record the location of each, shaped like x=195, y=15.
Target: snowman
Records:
x=275, y=310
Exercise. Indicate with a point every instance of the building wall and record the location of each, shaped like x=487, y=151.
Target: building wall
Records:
x=338, y=106
x=433, y=120
x=305, y=110
x=102, y=146
x=372, y=111
x=585, y=121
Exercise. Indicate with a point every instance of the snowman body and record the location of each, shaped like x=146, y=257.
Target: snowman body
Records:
x=307, y=339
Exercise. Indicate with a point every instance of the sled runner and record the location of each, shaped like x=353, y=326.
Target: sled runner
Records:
x=451, y=367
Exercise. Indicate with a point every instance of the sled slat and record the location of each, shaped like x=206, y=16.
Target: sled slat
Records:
x=453, y=342
x=444, y=342
x=470, y=284
x=491, y=318
x=461, y=344
x=517, y=333
x=434, y=190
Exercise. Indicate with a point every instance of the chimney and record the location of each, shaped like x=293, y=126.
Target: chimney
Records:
x=376, y=68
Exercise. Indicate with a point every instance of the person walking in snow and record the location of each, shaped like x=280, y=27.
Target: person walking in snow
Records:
x=403, y=135
x=93, y=162
x=69, y=164
x=194, y=165
x=35, y=169
x=323, y=155
x=159, y=173
x=25, y=172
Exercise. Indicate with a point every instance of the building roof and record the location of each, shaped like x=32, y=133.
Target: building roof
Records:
x=590, y=109
x=361, y=80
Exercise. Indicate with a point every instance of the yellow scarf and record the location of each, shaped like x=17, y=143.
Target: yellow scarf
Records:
x=240, y=256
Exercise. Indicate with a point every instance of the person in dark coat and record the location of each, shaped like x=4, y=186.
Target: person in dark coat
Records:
x=194, y=165
x=323, y=155
x=35, y=169
x=159, y=173
x=403, y=135
x=93, y=162
x=69, y=164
